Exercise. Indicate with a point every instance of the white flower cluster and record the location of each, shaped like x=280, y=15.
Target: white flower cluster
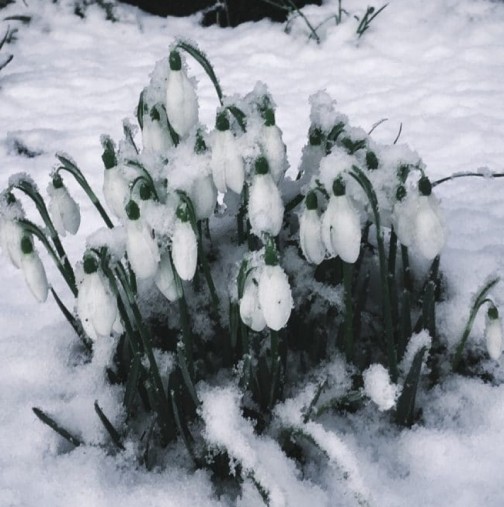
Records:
x=336, y=205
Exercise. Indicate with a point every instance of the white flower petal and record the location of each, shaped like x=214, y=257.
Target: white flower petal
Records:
x=250, y=308
x=142, y=249
x=226, y=162
x=275, y=297
x=493, y=336
x=116, y=191
x=184, y=250
x=265, y=206
x=428, y=229
x=310, y=236
x=204, y=197
x=155, y=137
x=181, y=102
x=11, y=234
x=274, y=151
x=35, y=276
x=65, y=212
x=341, y=232
x=165, y=279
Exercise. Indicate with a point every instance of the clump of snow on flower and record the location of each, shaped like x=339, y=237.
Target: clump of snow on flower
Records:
x=379, y=388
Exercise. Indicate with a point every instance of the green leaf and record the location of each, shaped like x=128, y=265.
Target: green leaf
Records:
x=240, y=117
x=405, y=413
x=56, y=427
x=203, y=61
x=114, y=434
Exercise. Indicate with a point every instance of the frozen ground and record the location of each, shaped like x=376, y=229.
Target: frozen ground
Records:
x=436, y=66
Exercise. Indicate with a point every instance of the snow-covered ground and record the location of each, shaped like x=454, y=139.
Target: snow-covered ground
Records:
x=436, y=66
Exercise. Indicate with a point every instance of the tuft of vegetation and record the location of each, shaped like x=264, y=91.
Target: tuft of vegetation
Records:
x=237, y=301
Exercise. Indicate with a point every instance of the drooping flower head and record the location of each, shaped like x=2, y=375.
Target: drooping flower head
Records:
x=310, y=231
x=64, y=210
x=33, y=270
x=493, y=333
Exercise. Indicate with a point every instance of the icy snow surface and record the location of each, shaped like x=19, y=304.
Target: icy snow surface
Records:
x=436, y=66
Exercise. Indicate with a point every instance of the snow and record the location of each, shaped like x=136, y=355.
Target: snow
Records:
x=72, y=80
x=379, y=388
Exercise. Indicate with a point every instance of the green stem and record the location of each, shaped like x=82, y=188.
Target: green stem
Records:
x=348, y=324
x=467, y=175
x=478, y=302
x=69, y=166
x=366, y=185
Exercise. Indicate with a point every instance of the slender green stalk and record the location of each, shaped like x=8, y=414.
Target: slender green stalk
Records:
x=200, y=57
x=114, y=434
x=349, y=318
x=366, y=185
x=478, y=302
x=67, y=274
x=27, y=188
x=467, y=175
x=392, y=278
x=56, y=427
x=69, y=166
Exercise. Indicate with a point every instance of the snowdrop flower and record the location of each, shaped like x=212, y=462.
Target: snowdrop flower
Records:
x=96, y=302
x=116, y=190
x=403, y=217
x=184, y=245
x=341, y=232
x=310, y=232
x=33, y=270
x=265, y=206
x=165, y=279
x=203, y=197
x=64, y=210
x=141, y=246
x=226, y=162
x=273, y=147
x=493, y=333
x=250, y=308
x=155, y=135
x=379, y=388
x=428, y=229
x=274, y=293
x=181, y=101
x=11, y=234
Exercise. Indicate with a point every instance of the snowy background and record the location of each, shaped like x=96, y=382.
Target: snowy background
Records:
x=436, y=66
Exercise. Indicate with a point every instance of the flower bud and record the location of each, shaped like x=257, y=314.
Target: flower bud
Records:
x=33, y=270
x=226, y=162
x=165, y=279
x=310, y=232
x=204, y=197
x=274, y=150
x=429, y=234
x=155, y=135
x=493, y=333
x=11, y=234
x=64, y=210
x=275, y=297
x=116, y=191
x=341, y=232
x=265, y=206
x=181, y=100
x=184, y=248
x=96, y=302
x=250, y=308
x=141, y=246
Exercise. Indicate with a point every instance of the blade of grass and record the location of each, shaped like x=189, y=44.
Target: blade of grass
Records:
x=56, y=427
x=114, y=434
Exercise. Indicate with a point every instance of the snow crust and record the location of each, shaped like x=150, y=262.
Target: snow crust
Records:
x=443, y=83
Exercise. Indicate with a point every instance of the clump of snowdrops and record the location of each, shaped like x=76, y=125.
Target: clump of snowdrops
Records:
x=223, y=294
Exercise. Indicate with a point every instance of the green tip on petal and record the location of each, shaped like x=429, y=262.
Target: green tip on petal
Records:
x=311, y=202
x=261, y=166
x=493, y=313
x=271, y=254
x=154, y=114
x=90, y=264
x=132, y=210
x=11, y=199
x=222, y=122
x=200, y=145
x=175, y=60
x=109, y=157
x=145, y=192
x=315, y=136
x=424, y=186
x=26, y=245
x=402, y=172
x=338, y=186
x=183, y=213
x=371, y=160
x=269, y=117
x=57, y=181
x=401, y=192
